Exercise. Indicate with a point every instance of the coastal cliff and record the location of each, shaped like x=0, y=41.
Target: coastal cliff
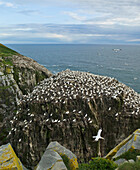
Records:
x=70, y=107
x=18, y=76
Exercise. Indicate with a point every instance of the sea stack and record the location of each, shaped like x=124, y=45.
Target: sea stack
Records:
x=70, y=107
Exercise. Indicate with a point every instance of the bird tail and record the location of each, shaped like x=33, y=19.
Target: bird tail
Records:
x=102, y=138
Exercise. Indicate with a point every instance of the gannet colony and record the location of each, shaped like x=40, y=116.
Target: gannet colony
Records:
x=70, y=107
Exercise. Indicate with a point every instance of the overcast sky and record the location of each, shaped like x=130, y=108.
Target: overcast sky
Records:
x=70, y=21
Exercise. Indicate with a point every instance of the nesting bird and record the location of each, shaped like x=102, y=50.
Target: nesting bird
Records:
x=67, y=87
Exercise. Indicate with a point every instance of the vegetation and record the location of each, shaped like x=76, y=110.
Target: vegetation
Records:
x=131, y=154
x=5, y=56
x=66, y=161
x=98, y=163
x=130, y=166
x=6, y=51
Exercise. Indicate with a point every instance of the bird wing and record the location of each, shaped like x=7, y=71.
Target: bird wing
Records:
x=99, y=132
x=94, y=136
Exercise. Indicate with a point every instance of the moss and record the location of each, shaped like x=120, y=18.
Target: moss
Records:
x=39, y=76
x=4, y=87
x=66, y=161
x=131, y=154
x=130, y=166
x=98, y=163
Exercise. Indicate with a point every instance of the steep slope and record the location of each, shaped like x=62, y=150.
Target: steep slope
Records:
x=18, y=76
x=69, y=108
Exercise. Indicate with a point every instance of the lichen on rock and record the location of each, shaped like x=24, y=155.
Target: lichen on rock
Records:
x=129, y=148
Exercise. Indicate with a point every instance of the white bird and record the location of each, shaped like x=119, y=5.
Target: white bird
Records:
x=98, y=135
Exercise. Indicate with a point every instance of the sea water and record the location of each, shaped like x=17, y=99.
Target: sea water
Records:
x=122, y=64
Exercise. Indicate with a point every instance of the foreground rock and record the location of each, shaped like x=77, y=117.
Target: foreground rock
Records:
x=70, y=107
x=69, y=158
x=128, y=149
x=8, y=158
x=52, y=158
x=18, y=76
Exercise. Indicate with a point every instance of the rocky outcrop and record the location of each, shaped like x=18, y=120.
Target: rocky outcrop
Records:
x=18, y=76
x=8, y=158
x=70, y=107
x=69, y=158
x=57, y=157
x=51, y=160
x=128, y=149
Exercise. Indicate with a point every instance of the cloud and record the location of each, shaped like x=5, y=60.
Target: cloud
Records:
x=22, y=29
x=72, y=33
x=7, y=4
x=5, y=34
x=29, y=12
x=134, y=40
x=75, y=16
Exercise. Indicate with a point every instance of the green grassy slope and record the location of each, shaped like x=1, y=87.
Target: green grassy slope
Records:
x=6, y=56
x=6, y=51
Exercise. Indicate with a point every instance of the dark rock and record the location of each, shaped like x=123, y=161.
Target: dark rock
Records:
x=70, y=107
x=18, y=76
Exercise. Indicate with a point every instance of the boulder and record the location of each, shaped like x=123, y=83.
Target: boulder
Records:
x=129, y=146
x=65, y=154
x=51, y=160
x=138, y=158
x=120, y=161
x=8, y=158
x=57, y=157
x=131, y=161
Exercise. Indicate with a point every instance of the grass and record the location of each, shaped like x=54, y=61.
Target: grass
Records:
x=130, y=166
x=6, y=59
x=131, y=154
x=6, y=51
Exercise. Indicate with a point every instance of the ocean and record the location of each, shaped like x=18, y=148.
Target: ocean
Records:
x=119, y=61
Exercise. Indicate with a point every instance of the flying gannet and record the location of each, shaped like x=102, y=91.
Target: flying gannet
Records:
x=98, y=135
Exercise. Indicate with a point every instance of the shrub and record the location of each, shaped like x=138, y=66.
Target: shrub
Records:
x=130, y=166
x=131, y=154
x=98, y=164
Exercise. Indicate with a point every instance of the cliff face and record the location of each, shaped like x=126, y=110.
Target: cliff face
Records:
x=18, y=76
x=69, y=108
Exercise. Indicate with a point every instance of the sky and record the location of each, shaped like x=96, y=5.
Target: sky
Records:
x=70, y=21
